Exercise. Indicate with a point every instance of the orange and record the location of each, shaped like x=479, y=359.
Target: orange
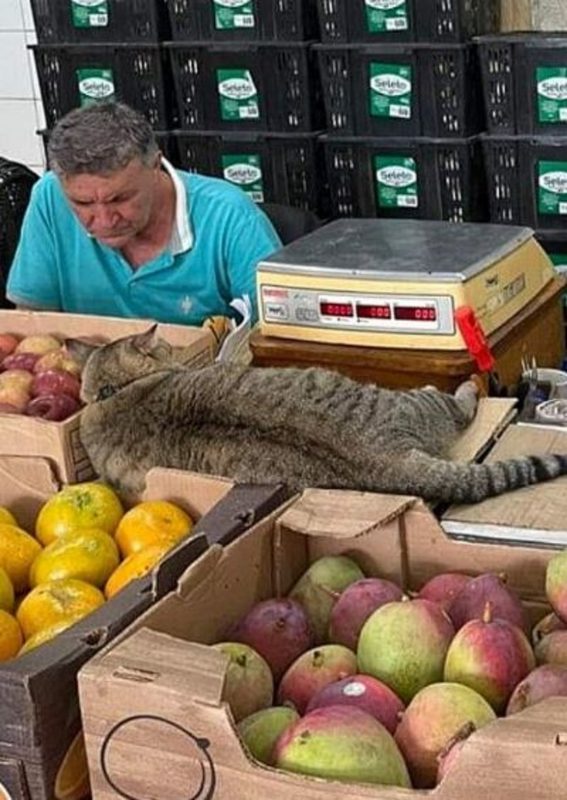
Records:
x=84, y=505
x=17, y=552
x=7, y=599
x=7, y=516
x=135, y=566
x=149, y=523
x=90, y=555
x=10, y=636
x=72, y=781
x=44, y=635
x=57, y=601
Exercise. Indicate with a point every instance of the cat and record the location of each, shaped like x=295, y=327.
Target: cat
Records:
x=302, y=427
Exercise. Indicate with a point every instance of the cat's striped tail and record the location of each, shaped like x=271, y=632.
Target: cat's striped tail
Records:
x=456, y=482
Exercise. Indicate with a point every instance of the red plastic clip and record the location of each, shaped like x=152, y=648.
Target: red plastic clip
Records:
x=475, y=339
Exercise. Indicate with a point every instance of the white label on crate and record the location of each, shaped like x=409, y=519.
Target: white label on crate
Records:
x=249, y=112
x=400, y=24
x=384, y=5
x=403, y=112
x=563, y=208
x=386, y=15
x=231, y=3
x=555, y=182
x=390, y=85
x=96, y=88
x=89, y=13
x=398, y=177
x=553, y=88
x=234, y=14
x=407, y=201
x=237, y=88
x=242, y=174
x=243, y=21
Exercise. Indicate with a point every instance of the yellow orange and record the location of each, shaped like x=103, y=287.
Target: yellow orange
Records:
x=74, y=508
x=10, y=636
x=72, y=781
x=135, y=566
x=44, y=635
x=7, y=516
x=90, y=555
x=149, y=523
x=57, y=601
x=7, y=599
x=17, y=552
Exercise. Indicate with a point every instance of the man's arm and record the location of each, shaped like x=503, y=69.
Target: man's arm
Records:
x=33, y=282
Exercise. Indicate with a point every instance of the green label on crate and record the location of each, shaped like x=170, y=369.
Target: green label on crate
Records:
x=552, y=187
x=559, y=261
x=245, y=171
x=552, y=94
x=89, y=13
x=383, y=16
x=95, y=85
x=237, y=94
x=396, y=181
x=390, y=90
x=233, y=14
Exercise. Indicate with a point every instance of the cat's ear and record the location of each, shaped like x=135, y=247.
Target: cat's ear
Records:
x=80, y=350
x=147, y=342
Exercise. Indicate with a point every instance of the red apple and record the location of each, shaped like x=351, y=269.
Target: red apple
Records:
x=57, y=359
x=55, y=407
x=8, y=344
x=38, y=344
x=25, y=361
x=55, y=381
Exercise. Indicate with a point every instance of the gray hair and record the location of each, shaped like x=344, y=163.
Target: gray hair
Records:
x=99, y=139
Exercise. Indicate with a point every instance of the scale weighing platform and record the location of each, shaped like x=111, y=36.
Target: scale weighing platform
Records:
x=384, y=283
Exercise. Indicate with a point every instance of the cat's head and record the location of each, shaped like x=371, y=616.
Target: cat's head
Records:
x=109, y=367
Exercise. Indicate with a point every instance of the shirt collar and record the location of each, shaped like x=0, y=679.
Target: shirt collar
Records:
x=182, y=235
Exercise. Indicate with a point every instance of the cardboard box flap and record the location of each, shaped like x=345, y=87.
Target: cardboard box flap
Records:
x=157, y=658
x=525, y=514
x=194, y=492
x=343, y=515
x=493, y=415
x=26, y=484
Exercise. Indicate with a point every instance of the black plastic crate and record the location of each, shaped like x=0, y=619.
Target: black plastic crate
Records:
x=527, y=180
x=406, y=20
x=272, y=168
x=253, y=87
x=555, y=245
x=108, y=21
x=251, y=20
x=524, y=79
x=401, y=89
x=438, y=179
x=165, y=141
x=77, y=75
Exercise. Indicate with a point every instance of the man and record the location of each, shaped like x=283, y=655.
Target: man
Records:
x=115, y=230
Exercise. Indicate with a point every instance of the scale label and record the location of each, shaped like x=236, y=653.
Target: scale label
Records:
x=391, y=90
x=551, y=94
x=231, y=15
x=383, y=16
x=396, y=181
x=552, y=187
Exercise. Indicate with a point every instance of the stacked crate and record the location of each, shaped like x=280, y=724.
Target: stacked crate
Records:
x=92, y=50
x=525, y=88
x=403, y=106
x=248, y=95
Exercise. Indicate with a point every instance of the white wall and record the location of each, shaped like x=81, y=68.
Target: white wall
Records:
x=21, y=112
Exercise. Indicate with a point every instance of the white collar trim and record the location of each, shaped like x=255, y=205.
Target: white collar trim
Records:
x=181, y=236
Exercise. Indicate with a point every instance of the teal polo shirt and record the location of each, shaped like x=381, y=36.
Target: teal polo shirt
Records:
x=219, y=236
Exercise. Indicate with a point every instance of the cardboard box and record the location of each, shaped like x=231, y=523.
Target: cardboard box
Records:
x=173, y=737
x=39, y=706
x=59, y=442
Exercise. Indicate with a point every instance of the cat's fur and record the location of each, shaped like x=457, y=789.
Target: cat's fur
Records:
x=304, y=428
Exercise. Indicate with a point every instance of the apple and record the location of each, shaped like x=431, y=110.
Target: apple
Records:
x=25, y=361
x=57, y=359
x=38, y=344
x=8, y=344
x=54, y=381
x=54, y=407
x=14, y=396
x=16, y=377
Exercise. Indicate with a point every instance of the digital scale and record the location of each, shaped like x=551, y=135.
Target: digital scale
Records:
x=399, y=283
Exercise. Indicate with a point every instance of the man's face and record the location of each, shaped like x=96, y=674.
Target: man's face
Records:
x=114, y=207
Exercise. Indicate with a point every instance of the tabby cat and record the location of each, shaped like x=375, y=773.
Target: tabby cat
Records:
x=302, y=427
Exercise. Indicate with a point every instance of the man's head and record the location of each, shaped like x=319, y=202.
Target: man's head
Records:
x=108, y=162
